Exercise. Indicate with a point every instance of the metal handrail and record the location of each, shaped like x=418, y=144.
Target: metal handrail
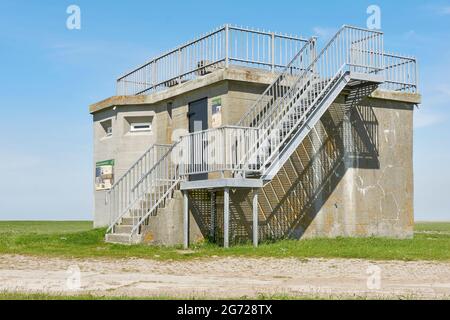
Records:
x=154, y=188
x=214, y=150
x=139, y=162
x=261, y=133
x=279, y=86
x=242, y=46
x=346, y=49
x=400, y=73
x=119, y=197
x=151, y=189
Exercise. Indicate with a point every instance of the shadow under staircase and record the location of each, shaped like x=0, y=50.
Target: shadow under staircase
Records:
x=262, y=141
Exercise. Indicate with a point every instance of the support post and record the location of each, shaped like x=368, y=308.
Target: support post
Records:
x=227, y=40
x=185, y=220
x=180, y=66
x=226, y=218
x=255, y=218
x=213, y=216
x=272, y=53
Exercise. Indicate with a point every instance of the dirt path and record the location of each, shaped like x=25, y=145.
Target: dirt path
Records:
x=226, y=277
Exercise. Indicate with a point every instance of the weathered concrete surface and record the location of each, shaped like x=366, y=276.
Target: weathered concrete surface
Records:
x=411, y=98
x=166, y=228
x=122, y=146
x=351, y=177
x=374, y=197
x=125, y=148
x=344, y=180
x=246, y=75
x=228, y=277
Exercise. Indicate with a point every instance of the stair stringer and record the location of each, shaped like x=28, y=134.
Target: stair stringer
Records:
x=304, y=128
x=126, y=224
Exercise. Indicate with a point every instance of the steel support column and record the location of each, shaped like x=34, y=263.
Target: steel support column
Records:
x=255, y=218
x=213, y=216
x=226, y=217
x=185, y=220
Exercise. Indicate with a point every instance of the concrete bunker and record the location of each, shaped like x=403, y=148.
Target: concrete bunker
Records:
x=335, y=161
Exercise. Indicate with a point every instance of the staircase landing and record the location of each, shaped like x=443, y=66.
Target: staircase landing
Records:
x=222, y=183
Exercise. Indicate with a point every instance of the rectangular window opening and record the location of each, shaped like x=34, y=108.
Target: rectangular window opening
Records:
x=107, y=128
x=138, y=127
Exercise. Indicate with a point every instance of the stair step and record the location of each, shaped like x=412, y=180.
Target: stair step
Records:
x=121, y=238
x=127, y=221
x=123, y=229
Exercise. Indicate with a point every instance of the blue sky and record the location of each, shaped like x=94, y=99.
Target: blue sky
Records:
x=51, y=74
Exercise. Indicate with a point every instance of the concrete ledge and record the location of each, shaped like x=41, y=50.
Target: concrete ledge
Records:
x=414, y=98
x=221, y=183
x=232, y=73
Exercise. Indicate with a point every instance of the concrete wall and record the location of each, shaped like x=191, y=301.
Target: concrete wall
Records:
x=126, y=147
x=166, y=228
x=352, y=176
x=123, y=146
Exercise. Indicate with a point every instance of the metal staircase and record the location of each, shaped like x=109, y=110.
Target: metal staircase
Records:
x=265, y=137
x=353, y=57
x=144, y=188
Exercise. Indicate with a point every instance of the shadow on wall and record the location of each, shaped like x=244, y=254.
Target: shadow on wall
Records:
x=345, y=137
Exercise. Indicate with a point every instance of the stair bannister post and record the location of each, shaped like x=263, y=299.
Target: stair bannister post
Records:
x=255, y=217
x=272, y=53
x=227, y=31
x=226, y=218
x=185, y=220
x=180, y=66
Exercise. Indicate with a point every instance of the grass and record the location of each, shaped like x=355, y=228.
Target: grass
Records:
x=43, y=227
x=76, y=239
x=44, y=296
x=443, y=227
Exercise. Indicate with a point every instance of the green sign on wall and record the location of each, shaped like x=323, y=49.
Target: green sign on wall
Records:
x=104, y=163
x=104, y=174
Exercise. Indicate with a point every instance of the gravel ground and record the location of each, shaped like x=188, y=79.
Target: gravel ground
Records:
x=226, y=277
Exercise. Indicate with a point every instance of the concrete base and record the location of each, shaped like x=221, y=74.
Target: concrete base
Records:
x=350, y=178
x=166, y=228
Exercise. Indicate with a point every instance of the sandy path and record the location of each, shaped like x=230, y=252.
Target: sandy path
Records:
x=226, y=277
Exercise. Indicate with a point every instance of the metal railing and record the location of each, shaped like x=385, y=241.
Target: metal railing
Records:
x=262, y=132
x=153, y=189
x=140, y=192
x=400, y=73
x=214, y=150
x=279, y=86
x=120, y=196
x=351, y=49
x=217, y=49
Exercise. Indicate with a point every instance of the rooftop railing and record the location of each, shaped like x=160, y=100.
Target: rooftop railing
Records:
x=400, y=73
x=218, y=49
x=243, y=47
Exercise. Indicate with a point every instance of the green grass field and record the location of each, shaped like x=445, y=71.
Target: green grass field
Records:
x=44, y=296
x=77, y=239
x=43, y=227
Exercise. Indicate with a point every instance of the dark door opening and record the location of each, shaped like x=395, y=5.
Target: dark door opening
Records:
x=198, y=121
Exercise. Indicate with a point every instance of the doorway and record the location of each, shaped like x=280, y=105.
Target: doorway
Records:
x=198, y=121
